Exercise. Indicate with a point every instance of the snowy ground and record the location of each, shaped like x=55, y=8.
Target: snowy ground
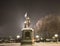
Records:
x=35, y=44
x=47, y=44
x=10, y=44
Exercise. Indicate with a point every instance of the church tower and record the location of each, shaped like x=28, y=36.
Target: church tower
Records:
x=27, y=32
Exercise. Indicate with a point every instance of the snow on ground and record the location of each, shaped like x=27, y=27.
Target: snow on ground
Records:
x=35, y=44
x=47, y=44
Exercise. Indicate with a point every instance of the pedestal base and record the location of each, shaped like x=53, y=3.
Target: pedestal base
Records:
x=27, y=37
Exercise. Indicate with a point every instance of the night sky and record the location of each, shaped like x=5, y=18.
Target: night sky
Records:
x=12, y=13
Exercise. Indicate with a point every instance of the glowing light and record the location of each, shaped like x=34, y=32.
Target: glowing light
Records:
x=37, y=36
x=41, y=38
x=56, y=35
x=18, y=36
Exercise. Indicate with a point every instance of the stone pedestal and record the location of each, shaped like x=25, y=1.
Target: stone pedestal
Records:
x=27, y=36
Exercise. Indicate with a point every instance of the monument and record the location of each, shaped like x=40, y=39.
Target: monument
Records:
x=27, y=32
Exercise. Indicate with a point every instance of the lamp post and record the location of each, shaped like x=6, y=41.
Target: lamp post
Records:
x=56, y=36
x=37, y=37
x=18, y=38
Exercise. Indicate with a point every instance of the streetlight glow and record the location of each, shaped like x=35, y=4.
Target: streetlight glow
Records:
x=18, y=36
x=56, y=35
x=37, y=36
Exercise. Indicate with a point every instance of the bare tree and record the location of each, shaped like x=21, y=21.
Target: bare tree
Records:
x=48, y=26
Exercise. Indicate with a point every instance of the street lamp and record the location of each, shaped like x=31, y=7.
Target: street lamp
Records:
x=37, y=38
x=56, y=36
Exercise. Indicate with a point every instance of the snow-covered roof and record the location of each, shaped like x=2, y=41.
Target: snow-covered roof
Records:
x=27, y=29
